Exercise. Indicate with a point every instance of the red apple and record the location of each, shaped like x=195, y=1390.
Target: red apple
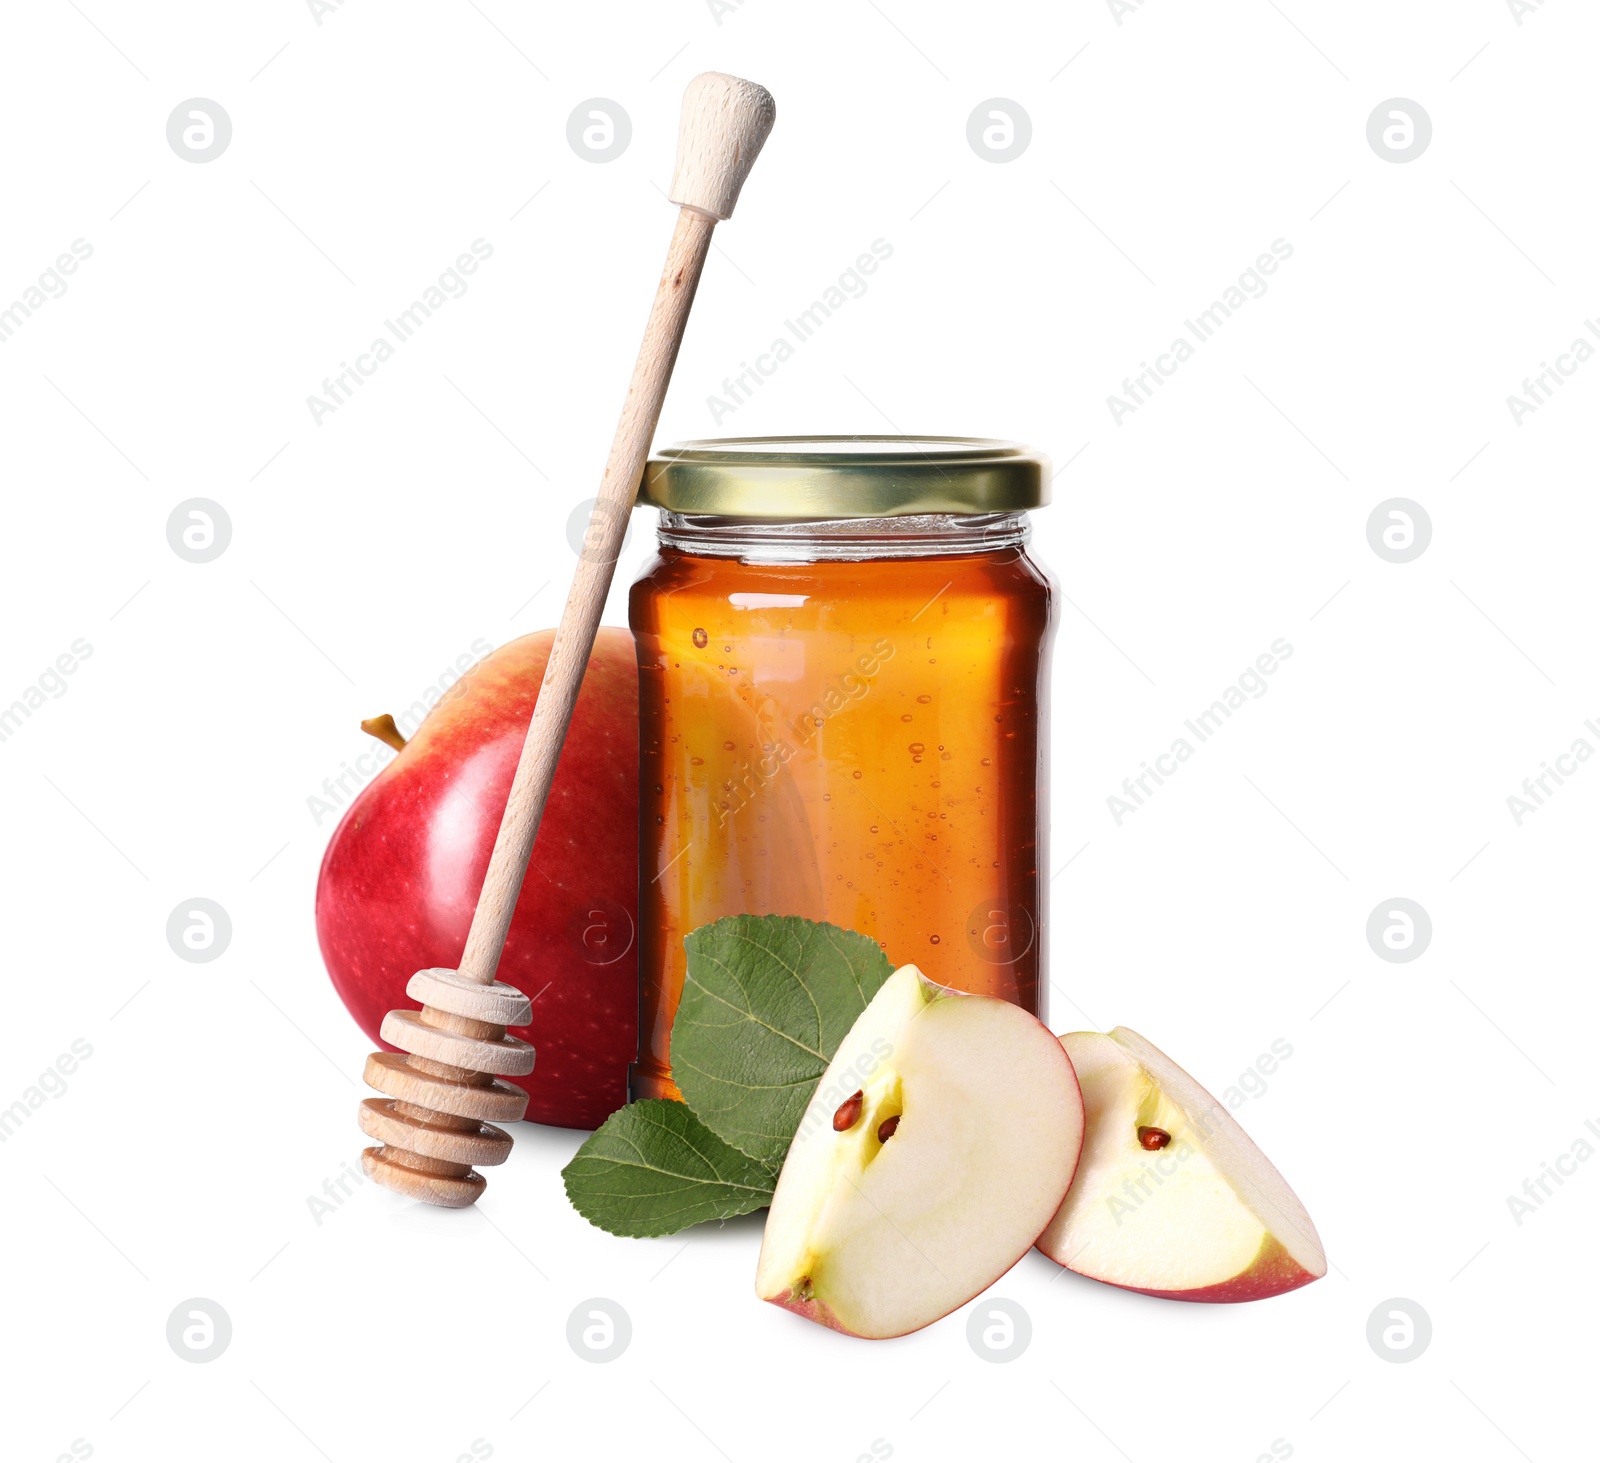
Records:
x=402, y=872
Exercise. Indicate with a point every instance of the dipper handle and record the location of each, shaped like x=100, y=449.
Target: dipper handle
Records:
x=723, y=125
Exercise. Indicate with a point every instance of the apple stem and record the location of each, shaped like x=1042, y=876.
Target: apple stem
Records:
x=384, y=729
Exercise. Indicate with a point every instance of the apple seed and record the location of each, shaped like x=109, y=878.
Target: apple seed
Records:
x=848, y=1112
x=886, y=1128
x=1154, y=1138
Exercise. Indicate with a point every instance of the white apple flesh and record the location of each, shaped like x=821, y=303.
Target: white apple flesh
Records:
x=1171, y=1197
x=982, y=1122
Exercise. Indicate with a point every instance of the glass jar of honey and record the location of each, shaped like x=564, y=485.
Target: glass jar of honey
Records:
x=843, y=687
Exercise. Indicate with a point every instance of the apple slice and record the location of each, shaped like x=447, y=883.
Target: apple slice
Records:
x=937, y=1146
x=1172, y=1198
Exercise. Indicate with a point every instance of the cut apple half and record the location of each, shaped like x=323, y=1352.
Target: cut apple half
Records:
x=1171, y=1197
x=938, y=1145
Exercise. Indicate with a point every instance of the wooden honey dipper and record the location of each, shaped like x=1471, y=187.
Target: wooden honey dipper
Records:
x=444, y=1100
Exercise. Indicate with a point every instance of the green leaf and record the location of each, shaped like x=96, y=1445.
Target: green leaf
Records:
x=766, y=1001
x=653, y=1168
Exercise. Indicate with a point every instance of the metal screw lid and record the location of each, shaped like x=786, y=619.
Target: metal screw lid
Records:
x=845, y=477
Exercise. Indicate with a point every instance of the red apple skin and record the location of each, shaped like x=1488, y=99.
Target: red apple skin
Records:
x=812, y=1310
x=402, y=872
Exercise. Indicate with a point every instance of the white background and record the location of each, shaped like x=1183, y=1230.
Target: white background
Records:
x=1167, y=152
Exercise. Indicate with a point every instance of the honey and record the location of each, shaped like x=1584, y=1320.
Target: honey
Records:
x=844, y=721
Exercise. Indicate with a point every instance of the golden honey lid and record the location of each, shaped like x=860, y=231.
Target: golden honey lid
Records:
x=845, y=477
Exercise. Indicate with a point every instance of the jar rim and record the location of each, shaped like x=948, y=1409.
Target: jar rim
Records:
x=845, y=476
x=853, y=540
